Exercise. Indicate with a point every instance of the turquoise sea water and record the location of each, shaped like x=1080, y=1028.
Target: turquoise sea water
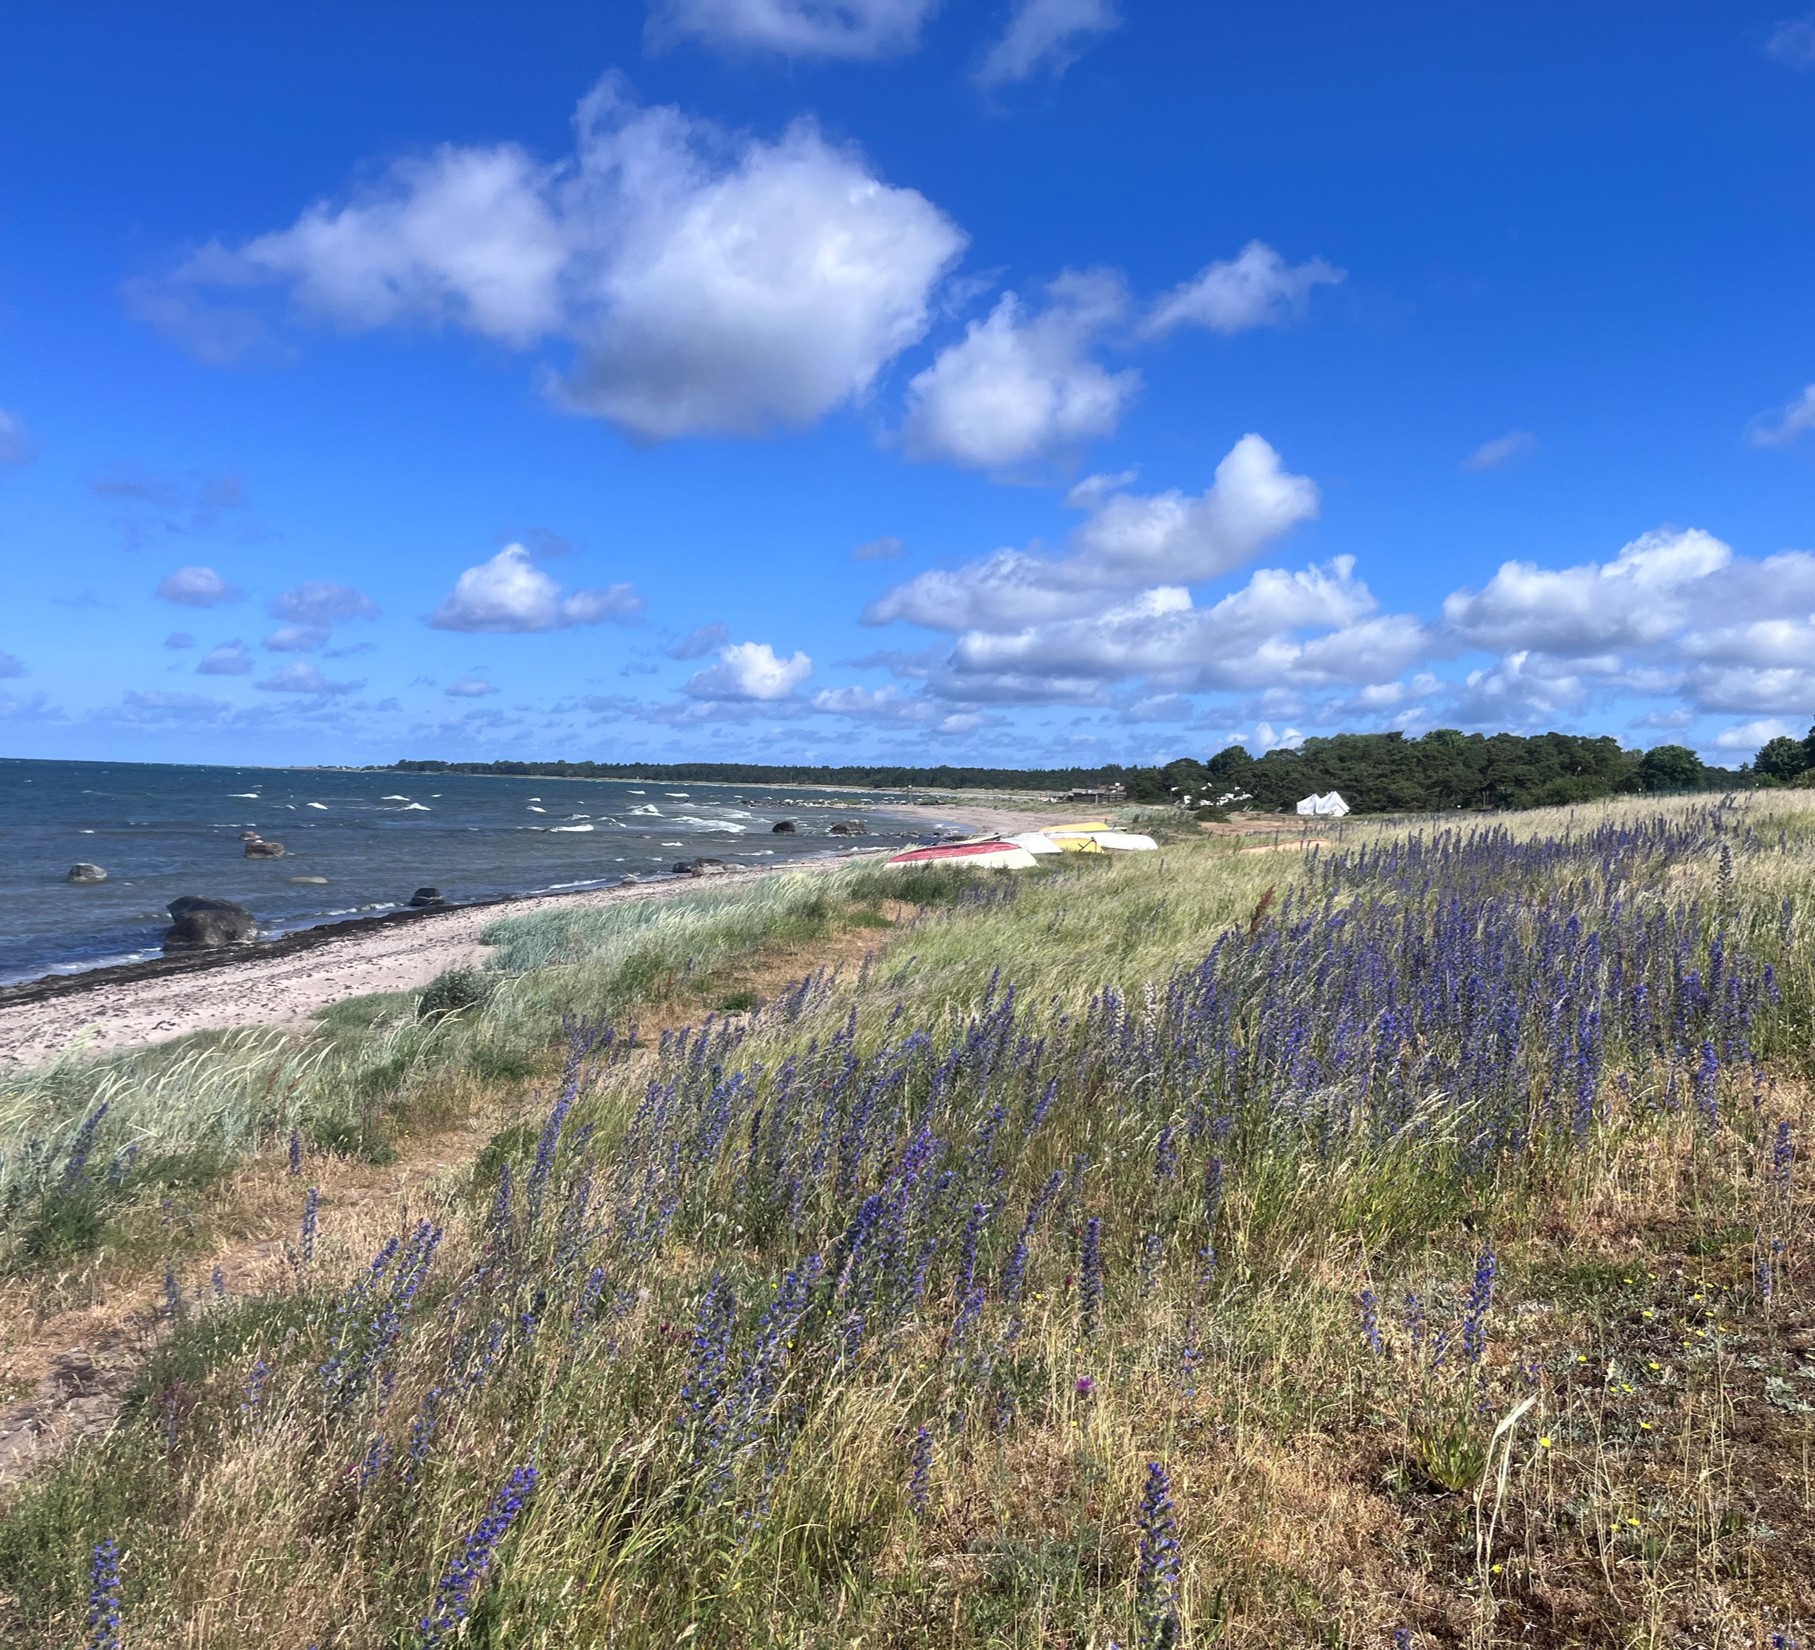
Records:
x=160, y=831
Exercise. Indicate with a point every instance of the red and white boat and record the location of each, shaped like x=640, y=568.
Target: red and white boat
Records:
x=994, y=855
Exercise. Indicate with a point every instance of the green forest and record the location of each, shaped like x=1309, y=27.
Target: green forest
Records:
x=1375, y=772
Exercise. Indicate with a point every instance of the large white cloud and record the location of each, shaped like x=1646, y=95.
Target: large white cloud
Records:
x=795, y=28
x=1020, y=385
x=751, y=671
x=1045, y=37
x=1127, y=541
x=702, y=283
x=1255, y=288
x=511, y=595
x=1637, y=599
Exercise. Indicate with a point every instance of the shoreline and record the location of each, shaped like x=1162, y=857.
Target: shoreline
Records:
x=283, y=981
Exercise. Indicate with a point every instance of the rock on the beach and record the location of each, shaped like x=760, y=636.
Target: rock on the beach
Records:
x=848, y=827
x=82, y=871
x=426, y=896
x=198, y=923
x=783, y=827
x=701, y=868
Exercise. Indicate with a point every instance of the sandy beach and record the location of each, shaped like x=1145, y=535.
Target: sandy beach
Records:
x=284, y=983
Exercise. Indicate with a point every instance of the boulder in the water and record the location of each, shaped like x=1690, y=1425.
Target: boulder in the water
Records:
x=701, y=868
x=82, y=871
x=783, y=827
x=848, y=827
x=258, y=848
x=198, y=923
x=425, y=897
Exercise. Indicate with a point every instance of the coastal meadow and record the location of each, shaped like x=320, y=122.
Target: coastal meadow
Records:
x=1398, y=1243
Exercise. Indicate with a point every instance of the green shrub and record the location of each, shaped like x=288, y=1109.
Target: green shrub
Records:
x=454, y=992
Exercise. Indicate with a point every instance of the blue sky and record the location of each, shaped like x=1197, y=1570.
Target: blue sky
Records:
x=1051, y=380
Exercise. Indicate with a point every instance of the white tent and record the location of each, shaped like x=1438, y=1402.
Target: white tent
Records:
x=1331, y=806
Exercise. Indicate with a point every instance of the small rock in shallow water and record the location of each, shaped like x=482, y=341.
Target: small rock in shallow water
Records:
x=701, y=868
x=82, y=871
x=319, y=882
x=783, y=827
x=258, y=848
x=426, y=896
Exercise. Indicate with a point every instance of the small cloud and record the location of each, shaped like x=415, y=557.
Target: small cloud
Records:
x=195, y=587
x=297, y=638
x=751, y=671
x=179, y=639
x=86, y=598
x=509, y=595
x=229, y=659
x=639, y=668
x=10, y=666
x=1794, y=43
x=135, y=488
x=469, y=687
x=1748, y=736
x=696, y=644
x=321, y=602
x=348, y=651
x=1779, y=430
x=1503, y=449
x=1046, y=37
x=1160, y=707
x=15, y=439
x=1089, y=493
x=305, y=678
x=886, y=548
x=547, y=545
x=1255, y=288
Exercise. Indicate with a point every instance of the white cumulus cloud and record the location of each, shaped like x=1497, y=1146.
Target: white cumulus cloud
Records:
x=511, y=595
x=851, y=29
x=1020, y=385
x=1255, y=288
x=469, y=687
x=1745, y=737
x=1793, y=42
x=751, y=671
x=195, y=587
x=298, y=638
x=1127, y=541
x=695, y=282
x=1046, y=37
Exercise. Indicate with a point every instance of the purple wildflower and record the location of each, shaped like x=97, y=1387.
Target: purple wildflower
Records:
x=455, y=1591
x=104, y=1597
x=1157, y=1571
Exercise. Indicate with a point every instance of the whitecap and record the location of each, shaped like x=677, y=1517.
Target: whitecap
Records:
x=321, y=805
x=679, y=796
x=554, y=828
x=535, y=810
x=534, y=799
x=393, y=799
x=672, y=845
x=236, y=796
x=648, y=808
x=415, y=808
x=639, y=793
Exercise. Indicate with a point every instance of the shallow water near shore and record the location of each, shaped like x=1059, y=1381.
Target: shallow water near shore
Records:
x=160, y=831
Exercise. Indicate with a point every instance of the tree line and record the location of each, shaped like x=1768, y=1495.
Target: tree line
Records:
x=1375, y=772
x=1442, y=770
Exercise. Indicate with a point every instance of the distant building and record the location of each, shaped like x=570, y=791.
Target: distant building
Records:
x=1095, y=793
x=1330, y=806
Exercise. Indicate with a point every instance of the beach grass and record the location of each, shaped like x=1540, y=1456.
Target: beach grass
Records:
x=1402, y=1244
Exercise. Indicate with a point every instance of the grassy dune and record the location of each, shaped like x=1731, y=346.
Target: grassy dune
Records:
x=1401, y=1246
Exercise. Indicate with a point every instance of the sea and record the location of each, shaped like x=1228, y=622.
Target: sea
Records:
x=357, y=844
